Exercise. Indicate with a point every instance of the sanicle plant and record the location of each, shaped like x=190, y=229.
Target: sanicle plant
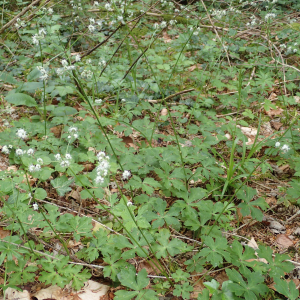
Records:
x=124, y=133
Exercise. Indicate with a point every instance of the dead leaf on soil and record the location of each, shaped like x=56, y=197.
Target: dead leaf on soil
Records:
x=274, y=112
x=253, y=244
x=284, y=241
x=4, y=233
x=14, y=294
x=56, y=130
x=276, y=125
x=164, y=112
x=166, y=37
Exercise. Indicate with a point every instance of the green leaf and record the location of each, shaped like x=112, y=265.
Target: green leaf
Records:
x=5, y=77
x=20, y=99
x=128, y=278
x=40, y=194
x=61, y=184
x=64, y=111
x=287, y=289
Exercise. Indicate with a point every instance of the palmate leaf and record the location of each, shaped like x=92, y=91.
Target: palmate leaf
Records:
x=61, y=184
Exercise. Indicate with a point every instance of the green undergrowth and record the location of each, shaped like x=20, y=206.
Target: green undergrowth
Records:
x=124, y=134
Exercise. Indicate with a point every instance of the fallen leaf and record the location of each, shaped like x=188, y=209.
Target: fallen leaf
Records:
x=284, y=241
x=253, y=244
x=276, y=125
x=14, y=294
x=4, y=233
x=274, y=112
x=164, y=112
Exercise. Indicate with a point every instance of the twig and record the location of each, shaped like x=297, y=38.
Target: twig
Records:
x=11, y=22
x=171, y=96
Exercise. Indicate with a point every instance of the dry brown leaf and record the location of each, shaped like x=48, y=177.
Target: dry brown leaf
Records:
x=276, y=125
x=253, y=244
x=56, y=130
x=150, y=268
x=4, y=233
x=164, y=112
x=274, y=112
x=284, y=241
x=14, y=294
x=166, y=37
x=272, y=96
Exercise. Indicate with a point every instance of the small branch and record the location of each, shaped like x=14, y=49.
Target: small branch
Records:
x=11, y=22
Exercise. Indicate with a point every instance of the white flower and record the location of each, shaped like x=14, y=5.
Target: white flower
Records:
x=60, y=71
x=30, y=151
x=64, y=62
x=35, y=206
x=173, y=22
x=29, y=195
x=99, y=179
x=21, y=133
x=156, y=26
x=285, y=148
x=57, y=156
x=40, y=161
x=68, y=156
x=129, y=203
x=44, y=74
x=123, y=100
x=163, y=24
x=269, y=16
x=92, y=21
x=98, y=101
x=37, y=167
x=107, y=6
x=100, y=155
x=5, y=149
x=102, y=63
x=75, y=135
x=50, y=11
x=91, y=28
x=19, y=152
x=69, y=137
x=87, y=74
x=295, y=50
x=77, y=57
x=64, y=163
x=277, y=144
x=126, y=174
x=73, y=129
x=31, y=168
x=96, y=3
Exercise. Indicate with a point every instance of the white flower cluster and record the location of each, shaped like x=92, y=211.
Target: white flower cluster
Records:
x=39, y=36
x=102, y=168
x=64, y=162
x=77, y=5
x=44, y=74
x=126, y=174
x=289, y=49
x=73, y=133
x=270, y=16
x=108, y=7
x=102, y=63
x=98, y=101
x=37, y=167
x=253, y=21
x=20, y=23
x=6, y=149
x=66, y=67
x=218, y=13
x=34, y=168
x=285, y=148
x=87, y=74
x=46, y=10
x=21, y=134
